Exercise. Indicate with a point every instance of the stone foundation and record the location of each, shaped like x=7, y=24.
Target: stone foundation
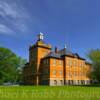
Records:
x=57, y=82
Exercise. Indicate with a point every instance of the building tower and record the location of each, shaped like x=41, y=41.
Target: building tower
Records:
x=36, y=53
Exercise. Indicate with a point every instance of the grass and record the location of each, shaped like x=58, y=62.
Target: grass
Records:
x=49, y=93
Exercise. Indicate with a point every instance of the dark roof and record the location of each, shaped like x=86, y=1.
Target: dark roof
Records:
x=53, y=54
x=62, y=53
x=59, y=53
x=65, y=51
x=77, y=56
x=88, y=63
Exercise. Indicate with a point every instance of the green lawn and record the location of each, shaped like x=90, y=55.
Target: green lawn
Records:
x=49, y=93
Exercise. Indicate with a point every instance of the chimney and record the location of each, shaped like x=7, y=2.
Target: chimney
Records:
x=56, y=50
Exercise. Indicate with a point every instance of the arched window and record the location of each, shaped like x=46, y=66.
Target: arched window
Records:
x=61, y=82
x=55, y=82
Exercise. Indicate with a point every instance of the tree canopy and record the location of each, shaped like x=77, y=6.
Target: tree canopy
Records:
x=10, y=66
x=94, y=56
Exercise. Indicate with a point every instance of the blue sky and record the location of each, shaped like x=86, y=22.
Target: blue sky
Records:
x=74, y=22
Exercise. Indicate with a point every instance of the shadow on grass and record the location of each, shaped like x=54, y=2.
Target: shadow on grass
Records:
x=92, y=85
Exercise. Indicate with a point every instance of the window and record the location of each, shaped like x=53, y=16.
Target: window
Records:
x=61, y=82
x=75, y=63
x=69, y=74
x=70, y=63
x=75, y=73
x=60, y=72
x=54, y=72
x=54, y=62
x=47, y=61
x=81, y=64
x=55, y=82
x=71, y=81
x=44, y=61
x=60, y=62
x=68, y=81
x=81, y=73
x=46, y=71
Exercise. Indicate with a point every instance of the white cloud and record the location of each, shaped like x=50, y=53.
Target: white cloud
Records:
x=5, y=30
x=13, y=9
x=15, y=15
x=7, y=9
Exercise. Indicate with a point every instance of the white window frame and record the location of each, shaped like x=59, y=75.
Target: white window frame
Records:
x=60, y=63
x=61, y=72
x=54, y=72
x=54, y=62
x=70, y=62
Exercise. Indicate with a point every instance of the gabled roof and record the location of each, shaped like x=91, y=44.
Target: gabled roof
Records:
x=64, y=52
x=77, y=56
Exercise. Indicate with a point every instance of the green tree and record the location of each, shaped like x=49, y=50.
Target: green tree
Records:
x=20, y=66
x=94, y=56
x=10, y=66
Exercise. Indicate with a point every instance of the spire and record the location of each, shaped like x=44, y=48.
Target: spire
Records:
x=40, y=36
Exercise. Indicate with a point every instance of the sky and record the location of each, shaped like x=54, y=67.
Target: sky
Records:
x=75, y=23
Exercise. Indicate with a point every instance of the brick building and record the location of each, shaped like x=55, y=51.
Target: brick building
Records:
x=59, y=67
